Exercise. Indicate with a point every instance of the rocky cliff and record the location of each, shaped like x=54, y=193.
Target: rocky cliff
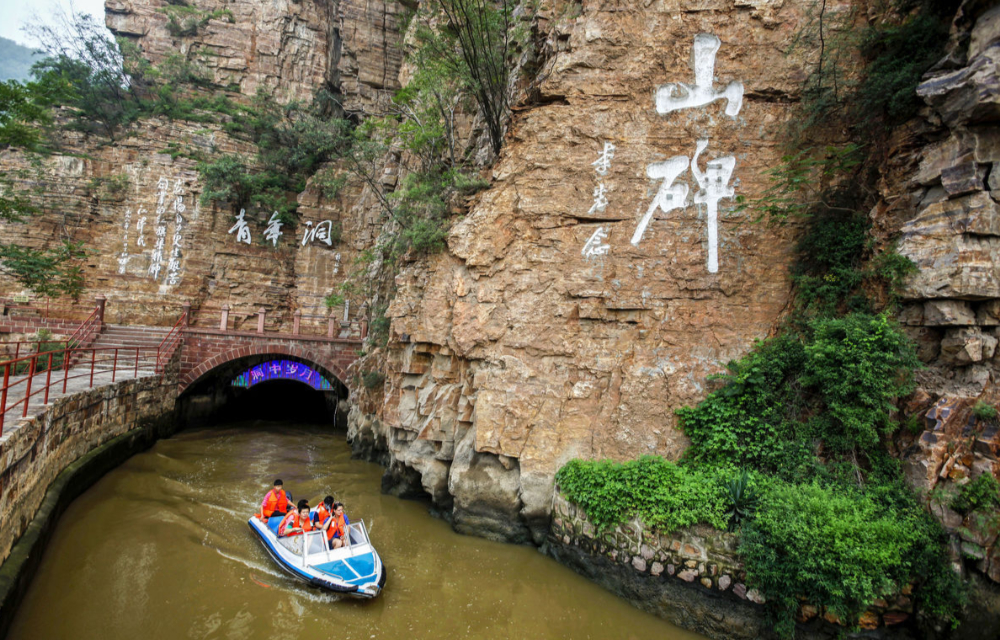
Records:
x=605, y=273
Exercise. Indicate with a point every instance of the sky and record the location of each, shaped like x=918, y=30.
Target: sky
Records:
x=14, y=14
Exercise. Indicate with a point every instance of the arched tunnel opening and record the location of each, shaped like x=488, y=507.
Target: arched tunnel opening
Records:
x=269, y=387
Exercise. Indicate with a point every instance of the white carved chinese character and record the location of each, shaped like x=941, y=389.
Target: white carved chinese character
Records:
x=714, y=185
x=600, y=201
x=161, y=189
x=603, y=162
x=319, y=232
x=179, y=205
x=669, y=196
x=676, y=96
x=273, y=231
x=595, y=245
x=154, y=269
x=178, y=188
x=139, y=226
x=123, y=262
x=241, y=228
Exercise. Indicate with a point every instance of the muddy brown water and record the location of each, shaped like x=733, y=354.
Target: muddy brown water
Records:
x=160, y=548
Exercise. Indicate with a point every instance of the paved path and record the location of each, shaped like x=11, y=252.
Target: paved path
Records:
x=79, y=380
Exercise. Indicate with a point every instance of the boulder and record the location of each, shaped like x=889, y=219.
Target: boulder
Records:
x=967, y=96
x=964, y=346
x=956, y=245
x=948, y=313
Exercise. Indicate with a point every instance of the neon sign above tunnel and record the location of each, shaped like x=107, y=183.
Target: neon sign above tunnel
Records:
x=282, y=370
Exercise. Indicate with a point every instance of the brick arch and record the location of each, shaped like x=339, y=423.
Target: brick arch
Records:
x=309, y=355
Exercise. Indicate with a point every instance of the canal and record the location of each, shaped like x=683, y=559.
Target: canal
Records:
x=160, y=548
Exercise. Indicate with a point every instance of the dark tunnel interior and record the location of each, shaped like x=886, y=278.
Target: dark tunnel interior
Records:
x=280, y=400
x=214, y=400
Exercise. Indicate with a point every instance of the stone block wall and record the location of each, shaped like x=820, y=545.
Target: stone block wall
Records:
x=705, y=561
x=699, y=554
x=35, y=450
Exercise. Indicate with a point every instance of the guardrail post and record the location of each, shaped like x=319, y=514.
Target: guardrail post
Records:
x=260, y=319
x=3, y=402
x=187, y=314
x=364, y=329
x=66, y=363
x=101, y=302
x=331, y=323
x=48, y=377
x=27, y=392
x=114, y=366
x=296, y=321
x=224, y=320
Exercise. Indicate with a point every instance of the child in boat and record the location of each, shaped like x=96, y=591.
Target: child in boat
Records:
x=276, y=502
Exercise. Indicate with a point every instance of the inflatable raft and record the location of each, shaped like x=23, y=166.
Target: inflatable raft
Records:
x=354, y=570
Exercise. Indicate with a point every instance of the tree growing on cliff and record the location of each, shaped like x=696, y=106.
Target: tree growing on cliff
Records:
x=104, y=79
x=473, y=40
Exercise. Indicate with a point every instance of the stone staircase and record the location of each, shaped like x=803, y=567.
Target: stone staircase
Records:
x=126, y=338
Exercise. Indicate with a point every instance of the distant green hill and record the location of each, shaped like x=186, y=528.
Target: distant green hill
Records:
x=15, y=60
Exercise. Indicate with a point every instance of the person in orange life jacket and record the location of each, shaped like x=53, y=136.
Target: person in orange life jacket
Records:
x=330, y=516
x=276, y=502
x=297, y=522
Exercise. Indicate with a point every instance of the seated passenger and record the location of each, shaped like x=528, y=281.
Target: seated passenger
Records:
x=275, y=503
x=297, y=522
x=331, y=518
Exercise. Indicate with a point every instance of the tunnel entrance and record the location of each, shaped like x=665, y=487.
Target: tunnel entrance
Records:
x=269, y=387
x=282, y=400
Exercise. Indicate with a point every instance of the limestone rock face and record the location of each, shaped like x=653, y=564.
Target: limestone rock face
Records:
x=593, y=288
x=287, y=48
x=951, y=230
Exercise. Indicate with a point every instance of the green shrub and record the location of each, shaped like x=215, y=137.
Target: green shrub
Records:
x=896, y=58
x=981, y=493
x=752, y=420
x=372, y=379
x=860, y=365
x=663, y=495
x=984, y=411
x=841, y=549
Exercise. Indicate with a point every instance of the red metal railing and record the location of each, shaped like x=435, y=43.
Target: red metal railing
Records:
x=31, y=346
x=87, y=331
x=170, y=342
x=22, y=376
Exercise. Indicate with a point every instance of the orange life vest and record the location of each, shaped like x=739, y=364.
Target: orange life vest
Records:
x=274, y=502
x=291, y=521
x=337, y=526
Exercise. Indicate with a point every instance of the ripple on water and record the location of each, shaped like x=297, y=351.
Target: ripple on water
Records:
x=160, y=548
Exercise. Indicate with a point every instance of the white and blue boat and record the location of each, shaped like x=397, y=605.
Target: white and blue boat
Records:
x=353, y=570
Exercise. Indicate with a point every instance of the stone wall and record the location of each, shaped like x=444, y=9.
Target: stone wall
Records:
x=694, y=578
x=35, y=450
